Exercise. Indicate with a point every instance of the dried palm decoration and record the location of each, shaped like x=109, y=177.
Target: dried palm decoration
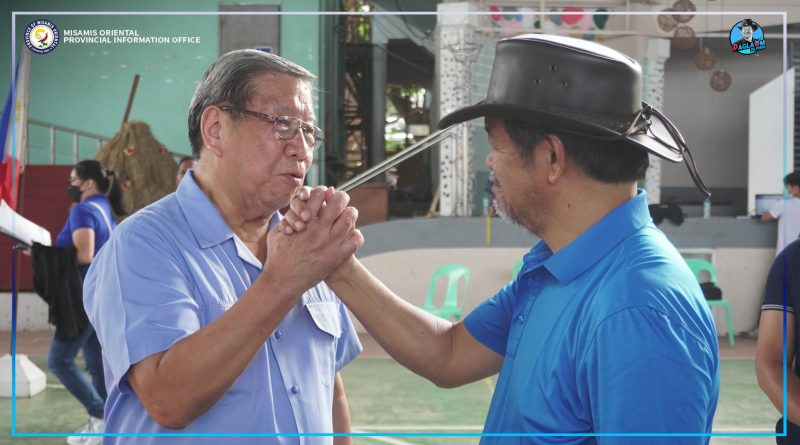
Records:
x=142, y=165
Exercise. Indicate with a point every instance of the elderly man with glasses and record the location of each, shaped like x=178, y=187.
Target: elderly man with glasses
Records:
x=210, y=324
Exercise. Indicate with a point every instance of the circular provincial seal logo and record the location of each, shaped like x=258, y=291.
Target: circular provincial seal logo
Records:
x=41, y=36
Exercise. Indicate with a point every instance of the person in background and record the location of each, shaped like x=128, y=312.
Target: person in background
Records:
x=210, y=322
x=184, y=165
x=98, y=200
x=787, y=212
x=781, y=294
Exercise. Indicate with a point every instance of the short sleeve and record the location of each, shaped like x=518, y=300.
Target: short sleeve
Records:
x=639, y=348
x=349, y=346
x=489, y=322
x=781, y=289
x=777, y=209
x=138, y=298
x=82, y=217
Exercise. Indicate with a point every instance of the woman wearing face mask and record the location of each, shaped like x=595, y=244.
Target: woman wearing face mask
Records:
x=88, y=228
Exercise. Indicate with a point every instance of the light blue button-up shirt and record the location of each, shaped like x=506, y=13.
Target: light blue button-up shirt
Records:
x=173, y=268
x=609, y=335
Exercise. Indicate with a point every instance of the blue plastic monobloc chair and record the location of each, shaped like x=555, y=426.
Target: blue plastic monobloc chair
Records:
x=517, y=268
x=449, y=309
x=698, y=266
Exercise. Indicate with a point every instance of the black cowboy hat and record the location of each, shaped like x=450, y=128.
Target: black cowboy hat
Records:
x=575, y=86
x=750, y=23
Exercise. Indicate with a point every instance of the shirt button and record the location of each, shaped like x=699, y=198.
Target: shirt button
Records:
x=521, y=319
x=295, y=389
x=278, y=335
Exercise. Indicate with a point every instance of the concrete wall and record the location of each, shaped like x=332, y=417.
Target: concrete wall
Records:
x=741, y=274
x=771, y=144
x=408, y=272
x=31, y=312
x=404, y=254
x=715, y=124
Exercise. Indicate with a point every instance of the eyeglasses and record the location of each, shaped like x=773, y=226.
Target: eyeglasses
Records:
x=286, y=126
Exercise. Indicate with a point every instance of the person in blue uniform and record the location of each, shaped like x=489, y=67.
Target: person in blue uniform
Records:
x=98, y=201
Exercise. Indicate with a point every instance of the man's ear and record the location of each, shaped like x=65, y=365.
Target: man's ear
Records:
x=211, y=130
x=555, y=156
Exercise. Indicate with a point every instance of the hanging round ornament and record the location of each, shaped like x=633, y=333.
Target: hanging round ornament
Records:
x=686, y=10
x=721, y=80
x=683, y=37
x=666, y=22
x=705, y=59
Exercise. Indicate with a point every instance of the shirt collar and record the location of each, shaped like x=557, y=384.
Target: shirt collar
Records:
x=583, y=252
x=205, y=220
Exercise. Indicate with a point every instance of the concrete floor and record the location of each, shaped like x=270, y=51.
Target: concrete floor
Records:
x=37, y=343
x=415, y=403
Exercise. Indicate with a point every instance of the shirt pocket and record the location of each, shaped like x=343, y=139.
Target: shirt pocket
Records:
x=326, y=316
x=329, y=328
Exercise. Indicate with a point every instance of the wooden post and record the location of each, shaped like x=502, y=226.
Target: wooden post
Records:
x=130, y=99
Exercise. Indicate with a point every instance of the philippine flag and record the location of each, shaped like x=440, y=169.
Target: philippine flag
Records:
x=14, y=133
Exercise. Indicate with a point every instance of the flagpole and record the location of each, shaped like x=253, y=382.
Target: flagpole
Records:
x=13, y=298
x=19, y=377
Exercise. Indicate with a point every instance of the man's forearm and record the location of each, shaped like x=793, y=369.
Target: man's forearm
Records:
x=182, y=383
x=341, y=413
x=415, y=338
x=770, y=378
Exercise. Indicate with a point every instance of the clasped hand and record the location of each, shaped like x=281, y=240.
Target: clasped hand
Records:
x=317, y=234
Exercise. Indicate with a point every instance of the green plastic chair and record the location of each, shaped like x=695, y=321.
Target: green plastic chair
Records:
x=697, y=267
x=454, y=273
x=517, y=268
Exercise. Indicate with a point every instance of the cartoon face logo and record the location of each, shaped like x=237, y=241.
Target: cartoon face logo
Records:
x=746, y=37
x=747, y=33
x=41, y=36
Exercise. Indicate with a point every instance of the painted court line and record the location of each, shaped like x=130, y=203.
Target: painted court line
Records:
x=389, y=440
x=738, y=429
x=470, y=428
x=490, y=383
x=406, y=428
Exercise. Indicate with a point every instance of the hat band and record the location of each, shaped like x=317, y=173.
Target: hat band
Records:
x=617, y=125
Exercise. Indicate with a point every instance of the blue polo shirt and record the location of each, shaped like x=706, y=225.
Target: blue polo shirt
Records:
x=609, y=335
x=173, y=268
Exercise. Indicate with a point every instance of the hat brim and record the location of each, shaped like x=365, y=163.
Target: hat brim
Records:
x=654, y=141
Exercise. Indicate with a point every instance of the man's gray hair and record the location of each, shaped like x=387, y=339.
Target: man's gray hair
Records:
x=229, y=81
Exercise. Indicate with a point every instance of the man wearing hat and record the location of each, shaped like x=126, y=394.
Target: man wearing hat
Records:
x=605, y=330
